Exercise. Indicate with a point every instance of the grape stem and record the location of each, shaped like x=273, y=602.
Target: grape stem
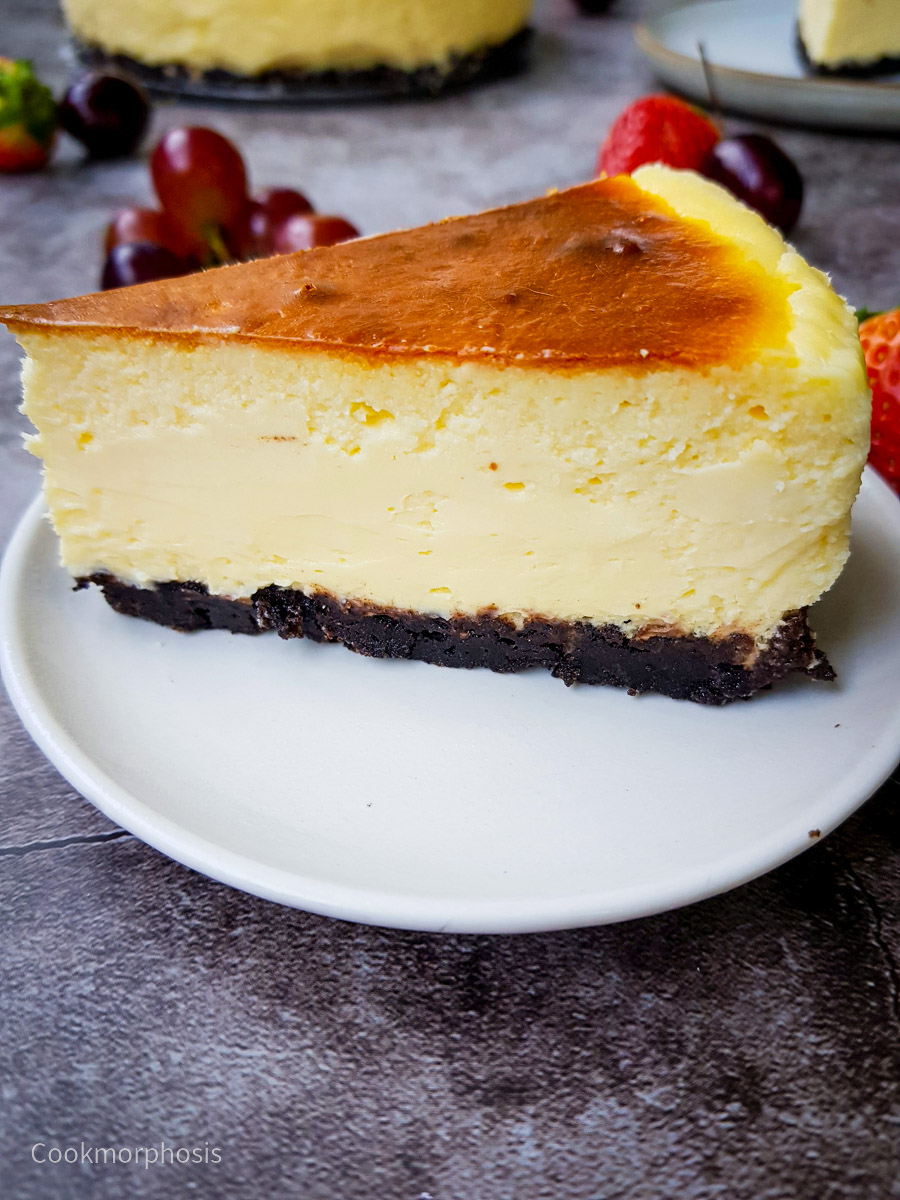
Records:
x=216, y=243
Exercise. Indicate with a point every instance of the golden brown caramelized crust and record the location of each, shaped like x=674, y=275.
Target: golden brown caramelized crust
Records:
x=600, y=275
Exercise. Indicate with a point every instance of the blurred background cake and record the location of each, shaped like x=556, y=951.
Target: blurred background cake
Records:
x=379, y=47
x=850, y=37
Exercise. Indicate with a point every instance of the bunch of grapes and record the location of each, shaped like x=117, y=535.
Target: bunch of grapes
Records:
x=207, y=216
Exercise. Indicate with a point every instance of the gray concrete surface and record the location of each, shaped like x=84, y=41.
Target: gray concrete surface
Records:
x=744, y=1048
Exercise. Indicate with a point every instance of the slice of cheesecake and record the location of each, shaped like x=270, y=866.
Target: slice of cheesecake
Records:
x=856, y=37
x=615, y=432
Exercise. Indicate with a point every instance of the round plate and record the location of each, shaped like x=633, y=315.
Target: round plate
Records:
x=399, y=794
x=751, y=48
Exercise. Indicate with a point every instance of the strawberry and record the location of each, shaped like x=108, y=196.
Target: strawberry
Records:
x=27, y=118
x=656, y=129
x=880, y=337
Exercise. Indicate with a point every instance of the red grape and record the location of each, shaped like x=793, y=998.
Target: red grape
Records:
x=254, y=235
x=140, y=262
x=249, y=237
x=758, y=171
x=201, y=182
x=106, y=113
x=144, y=225
x=280, y=203
x=304, y=231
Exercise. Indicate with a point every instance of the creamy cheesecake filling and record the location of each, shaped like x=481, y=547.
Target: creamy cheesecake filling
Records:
x=837, y=33
x=701, y=502
x=309, y=35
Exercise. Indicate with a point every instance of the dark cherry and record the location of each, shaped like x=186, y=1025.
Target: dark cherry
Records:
x=593, y=8
x=141, y=262
x=758, y=172
x=106, y=113
x=306, y=231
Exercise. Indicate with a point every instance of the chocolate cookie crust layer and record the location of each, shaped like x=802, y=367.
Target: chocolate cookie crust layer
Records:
x=870, y=70
x=705, y=670
x=462, y=71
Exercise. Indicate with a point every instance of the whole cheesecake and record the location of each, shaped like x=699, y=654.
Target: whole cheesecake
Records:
x=614, y=432
x=389, y=47
x=855, y=37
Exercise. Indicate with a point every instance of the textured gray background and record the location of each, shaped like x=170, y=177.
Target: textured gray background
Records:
x=746, y=1047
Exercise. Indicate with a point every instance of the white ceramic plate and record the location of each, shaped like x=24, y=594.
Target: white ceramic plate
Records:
x=756, y=69
x=398, y=793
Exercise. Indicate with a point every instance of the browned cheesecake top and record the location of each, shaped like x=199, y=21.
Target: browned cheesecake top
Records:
x=600, y=275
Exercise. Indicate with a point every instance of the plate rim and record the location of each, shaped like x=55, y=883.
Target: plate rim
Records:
x=397, y=909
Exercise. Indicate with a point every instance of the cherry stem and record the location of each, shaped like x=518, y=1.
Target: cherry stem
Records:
x=714, y=105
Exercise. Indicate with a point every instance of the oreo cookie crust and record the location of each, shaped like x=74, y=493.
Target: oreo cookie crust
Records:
x=375, y=83
x=889, y=65
x=684, y=667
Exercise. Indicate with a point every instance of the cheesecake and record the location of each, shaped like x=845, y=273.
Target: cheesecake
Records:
x=856, y=37
x=614, y=432
x=303, y=47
